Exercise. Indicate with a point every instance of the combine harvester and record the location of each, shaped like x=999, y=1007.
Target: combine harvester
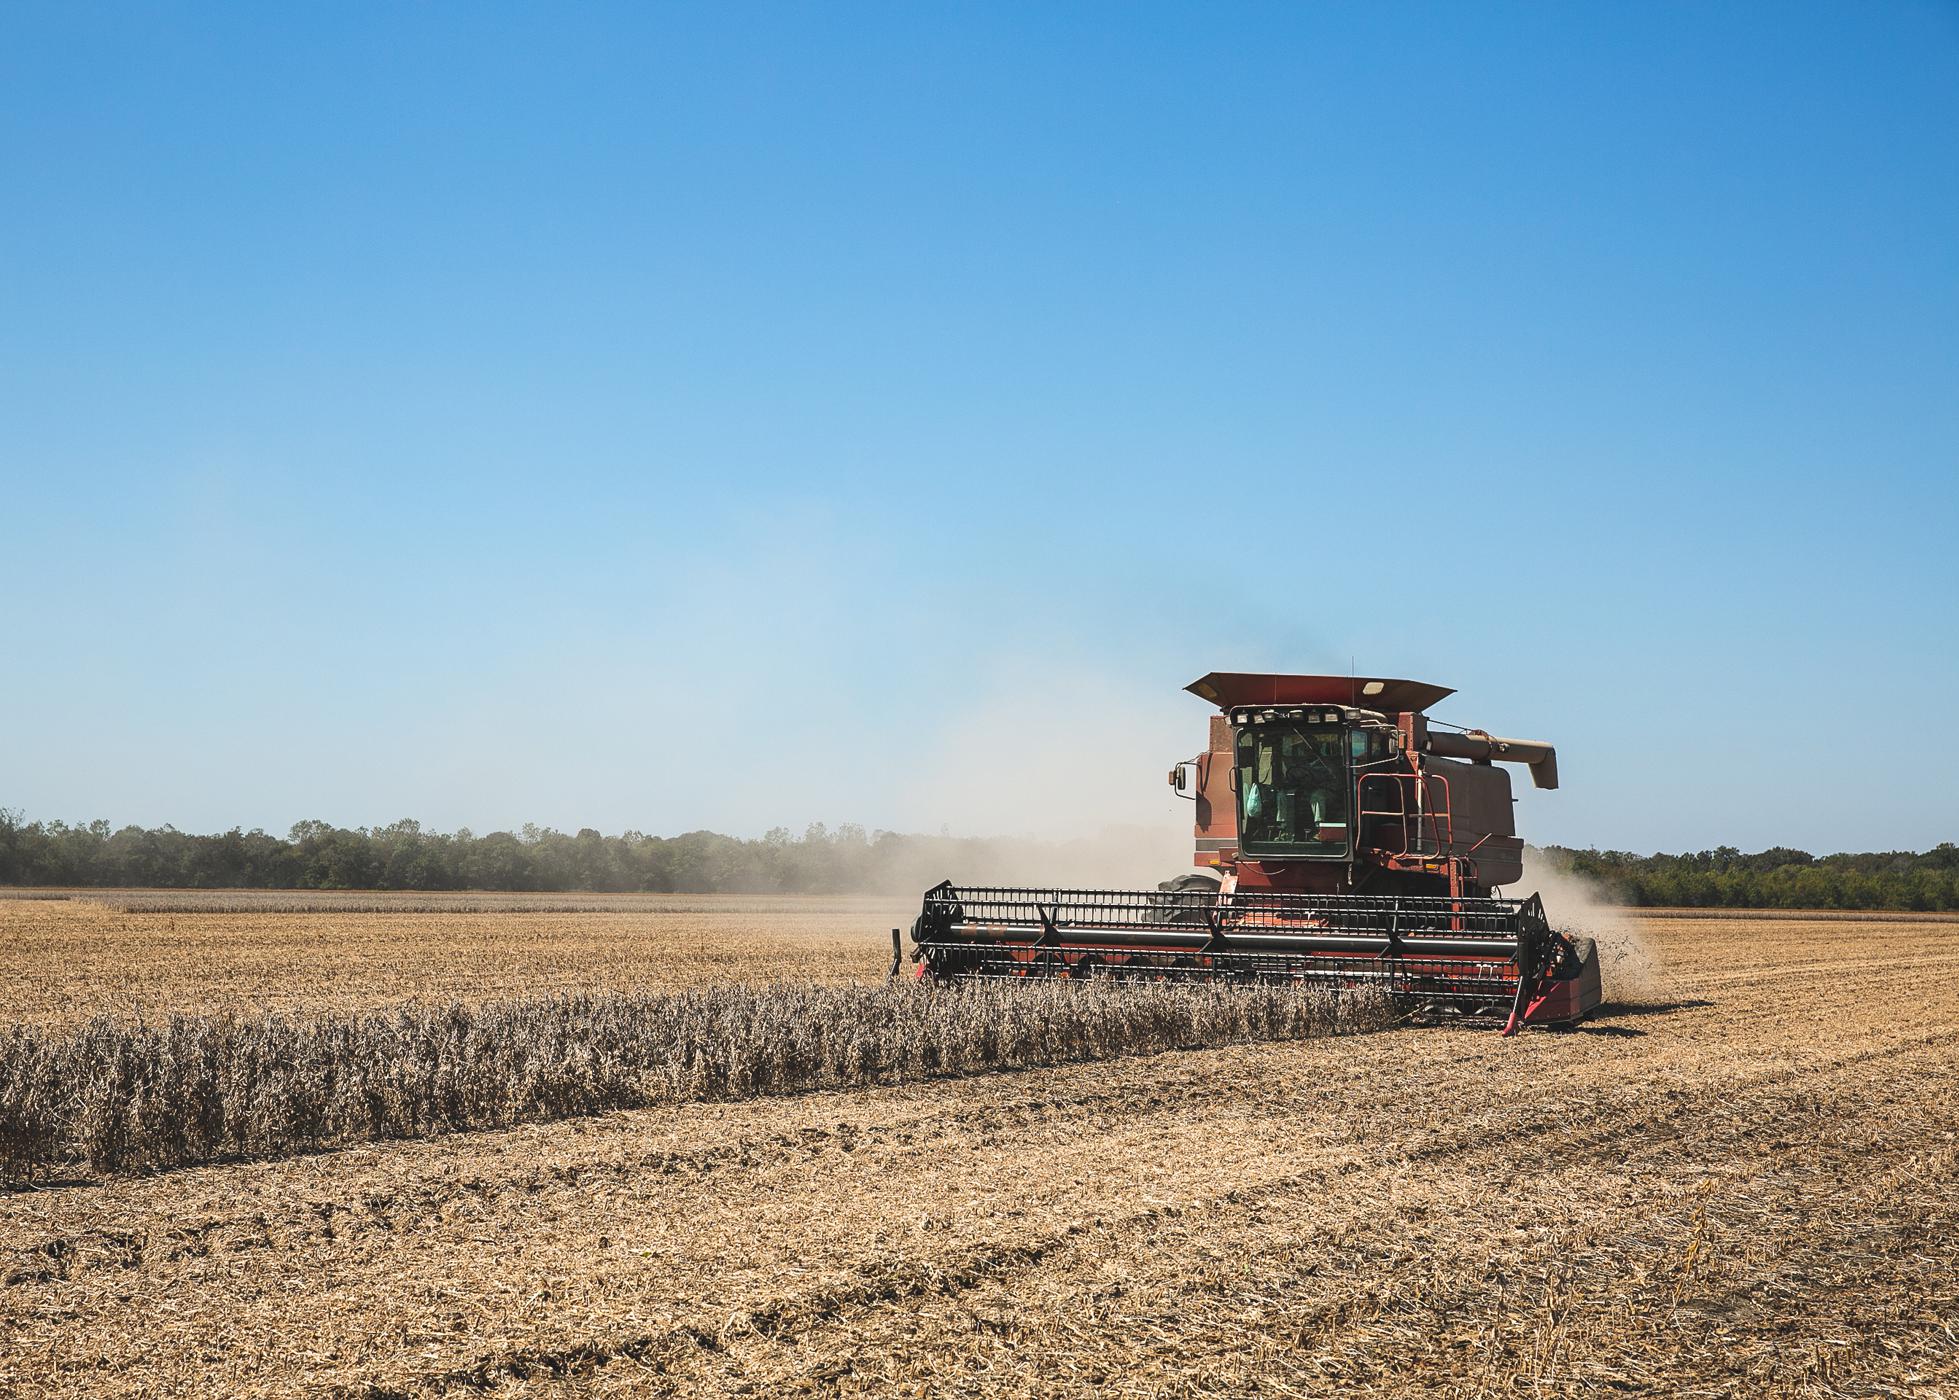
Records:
x=1342, y=839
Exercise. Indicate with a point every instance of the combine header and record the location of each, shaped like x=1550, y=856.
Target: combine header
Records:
x=1341, y=839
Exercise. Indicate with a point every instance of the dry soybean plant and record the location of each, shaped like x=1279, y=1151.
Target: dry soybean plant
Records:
x=121, y=1095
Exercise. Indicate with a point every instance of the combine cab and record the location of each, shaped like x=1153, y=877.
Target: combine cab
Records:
x=1340, y=840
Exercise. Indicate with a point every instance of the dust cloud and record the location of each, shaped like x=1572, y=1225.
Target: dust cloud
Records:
x=1115, y=857
x=1059, y=781
x=1628, y=965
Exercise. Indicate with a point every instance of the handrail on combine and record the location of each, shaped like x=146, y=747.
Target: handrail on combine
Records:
x=1439, y=816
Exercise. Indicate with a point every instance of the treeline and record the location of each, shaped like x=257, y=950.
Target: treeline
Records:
x=1778, y=878
x=849, y=859
x=405, y=856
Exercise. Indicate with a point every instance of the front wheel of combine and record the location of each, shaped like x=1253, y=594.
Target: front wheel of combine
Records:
x=1186, y=899
x=1460, y=1011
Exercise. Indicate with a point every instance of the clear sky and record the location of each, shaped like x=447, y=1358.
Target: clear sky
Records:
x=720, y=415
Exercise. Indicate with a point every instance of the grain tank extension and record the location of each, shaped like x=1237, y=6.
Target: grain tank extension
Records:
x=1342, y=838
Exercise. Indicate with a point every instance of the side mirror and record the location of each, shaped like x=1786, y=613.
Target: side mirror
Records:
x=1183, y=778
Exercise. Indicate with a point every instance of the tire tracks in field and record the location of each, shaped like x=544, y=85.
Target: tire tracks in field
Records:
x=791, y=1318
x=1140, y=1093
x=921, y=1132
x=1132, y=1089
x=1745, y=1153
x=777, y=1205
x=1453, y=1281
x=1844, y=977
x=62, y=1257
x=1845, y=971
x=1399, y=1079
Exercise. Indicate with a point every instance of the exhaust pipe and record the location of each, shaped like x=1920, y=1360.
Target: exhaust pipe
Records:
x=1540, y=758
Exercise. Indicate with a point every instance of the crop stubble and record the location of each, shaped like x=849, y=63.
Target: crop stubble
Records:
x=1747, y=1187
x=64, y=960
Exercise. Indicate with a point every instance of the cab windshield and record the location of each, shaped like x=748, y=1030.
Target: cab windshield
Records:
x=1295, y=792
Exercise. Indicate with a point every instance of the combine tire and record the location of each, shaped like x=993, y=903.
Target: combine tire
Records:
x=1178, y=911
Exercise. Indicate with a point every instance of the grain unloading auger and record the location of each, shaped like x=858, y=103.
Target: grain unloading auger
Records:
x=1341, y=839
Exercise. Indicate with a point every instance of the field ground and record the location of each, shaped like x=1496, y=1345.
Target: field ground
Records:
x=1748, y=1184
x=62, y=960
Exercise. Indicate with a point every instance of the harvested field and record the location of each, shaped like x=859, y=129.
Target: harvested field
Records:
x=64, y=960
x=1748, y=1185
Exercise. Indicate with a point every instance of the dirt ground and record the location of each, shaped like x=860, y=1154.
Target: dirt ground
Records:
x=1747, y=1185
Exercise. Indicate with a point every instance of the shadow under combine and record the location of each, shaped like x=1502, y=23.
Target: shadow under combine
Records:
x=1605, y=1020
x=1622, y=1010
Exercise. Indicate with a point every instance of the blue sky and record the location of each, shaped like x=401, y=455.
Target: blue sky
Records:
x=731, y=416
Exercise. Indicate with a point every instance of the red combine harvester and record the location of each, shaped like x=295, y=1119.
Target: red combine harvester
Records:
x=1342, y=838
